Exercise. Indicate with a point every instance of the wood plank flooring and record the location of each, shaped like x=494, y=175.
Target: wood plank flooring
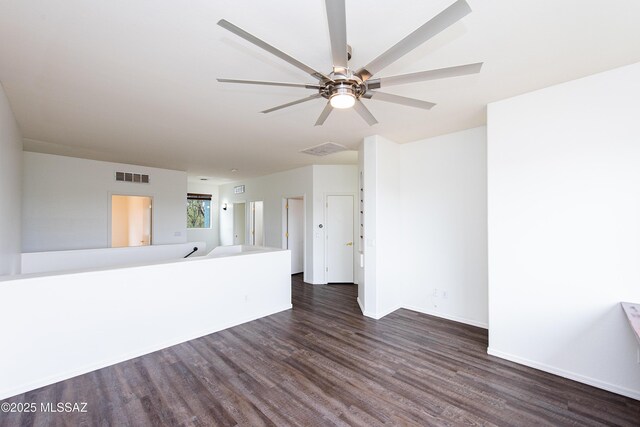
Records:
x=321, y=364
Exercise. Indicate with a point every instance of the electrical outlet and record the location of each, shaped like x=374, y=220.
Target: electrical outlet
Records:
x=435, y=292
x=246, y=298
x=445, y=294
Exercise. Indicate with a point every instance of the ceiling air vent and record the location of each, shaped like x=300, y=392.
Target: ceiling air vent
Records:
x=324, y=149
x=132, y=177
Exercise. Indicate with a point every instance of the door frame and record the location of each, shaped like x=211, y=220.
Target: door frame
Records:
x=110, y=195
x=304, y=229
x=233, y=219
x=251, y=217
x=326, y=236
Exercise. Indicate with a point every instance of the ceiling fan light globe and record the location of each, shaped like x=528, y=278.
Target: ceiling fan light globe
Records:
x=342, y=101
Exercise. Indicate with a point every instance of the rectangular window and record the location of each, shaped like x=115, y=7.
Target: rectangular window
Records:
x=198, y=210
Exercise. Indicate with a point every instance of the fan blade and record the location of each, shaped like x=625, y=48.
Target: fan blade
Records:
x=336, y=16
x=402, y=100
x=440, y=22
x=441, y=73
x=325, y=113
x=266, y=83
x=364, y=113
x=266, y=46
x=289, y=104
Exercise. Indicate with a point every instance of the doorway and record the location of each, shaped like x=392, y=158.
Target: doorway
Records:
x=131, y=221
x=294, y=232
x=339, y=239
x=239, y=223
x=256, y=223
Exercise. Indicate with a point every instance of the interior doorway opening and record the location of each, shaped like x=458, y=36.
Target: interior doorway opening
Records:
x=256, y=223
x=239, y=223
x=293, y=225
x=131, y=221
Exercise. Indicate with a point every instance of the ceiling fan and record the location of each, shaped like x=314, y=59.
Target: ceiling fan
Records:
x=345, y=88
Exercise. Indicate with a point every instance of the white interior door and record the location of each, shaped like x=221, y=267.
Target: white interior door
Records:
x=339, y=239
x=256, y=224
x=295, y=234
x=239, y=223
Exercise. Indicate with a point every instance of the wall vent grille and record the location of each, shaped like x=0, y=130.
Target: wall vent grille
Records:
x=137, y=178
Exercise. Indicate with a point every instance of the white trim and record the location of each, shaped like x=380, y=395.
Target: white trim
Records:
x=381, y=314
x=376, y=315
x=367, y=313
x=634, y=394
x=464, y=320
x=285, y=230
x=23, y=388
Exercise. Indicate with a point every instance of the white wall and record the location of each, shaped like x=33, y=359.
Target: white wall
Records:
x=10, y=189
x=425, y=226
x=54, y=261
x=67, y=202
x=444, y=218
x=382, y=285
x=84, y=321
x=360, y=272
x=311, y=182
x=209, y=235
x=271, y=189
x=564, y=228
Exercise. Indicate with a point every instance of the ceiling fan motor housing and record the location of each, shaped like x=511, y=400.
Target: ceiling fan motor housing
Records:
x=343, y=84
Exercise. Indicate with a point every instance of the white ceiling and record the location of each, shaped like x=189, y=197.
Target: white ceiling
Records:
x=134, y=81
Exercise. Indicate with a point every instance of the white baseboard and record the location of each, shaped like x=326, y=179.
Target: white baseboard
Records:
x=373, y=314
x=381, y=314
x=634, y=394
x=464, y=320
x=23, y=388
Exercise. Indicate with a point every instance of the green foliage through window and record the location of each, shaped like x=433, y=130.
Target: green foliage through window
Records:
x=198, y=211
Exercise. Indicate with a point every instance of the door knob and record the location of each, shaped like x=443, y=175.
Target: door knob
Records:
x=350, y=244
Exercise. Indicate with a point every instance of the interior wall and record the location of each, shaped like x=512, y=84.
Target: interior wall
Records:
x=311, y=182
x=425, y=226
x=389, y=206
x=444, y=225
x=367, y=287
x=67, y=202
x=83, y=259
x=87, y=320
x=209, y=235
x=360, y=277
x=564, y=228
x=382, y=287
x=10, y=189
x=271, y=189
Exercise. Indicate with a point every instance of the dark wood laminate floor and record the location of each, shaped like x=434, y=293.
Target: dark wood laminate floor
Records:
x=323, y=363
